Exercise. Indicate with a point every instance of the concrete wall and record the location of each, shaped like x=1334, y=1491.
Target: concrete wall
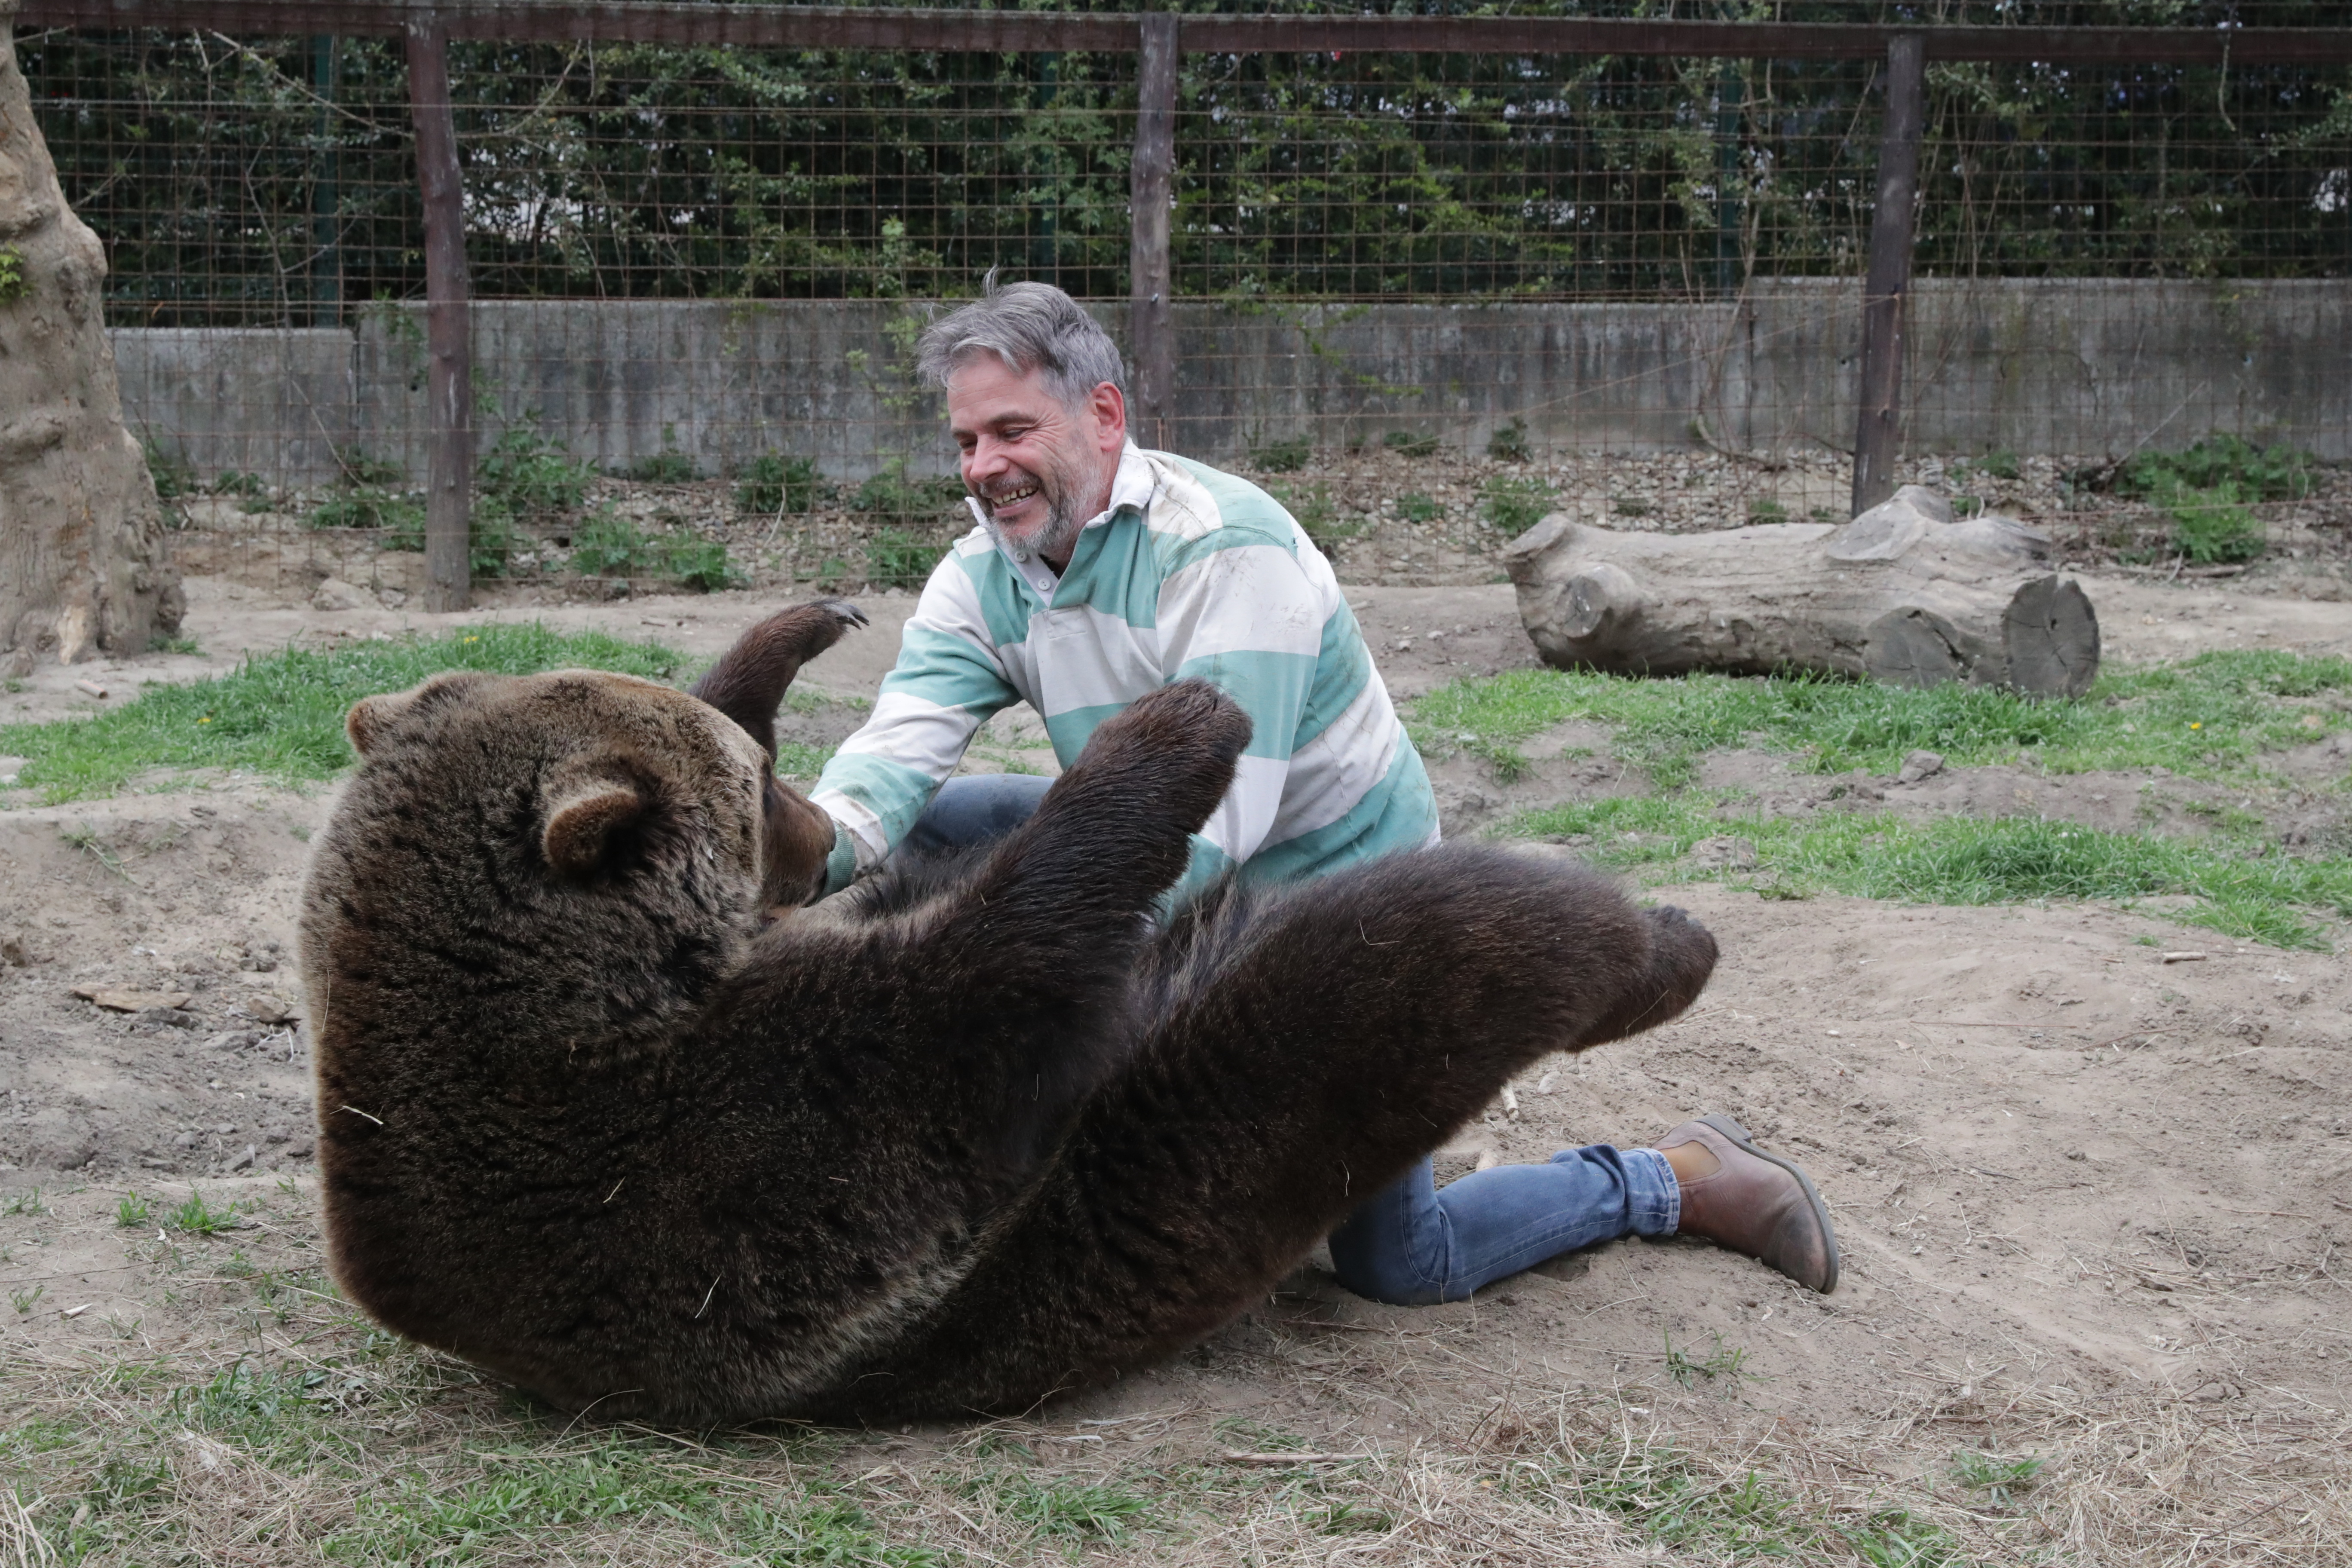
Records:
x=2089, y=368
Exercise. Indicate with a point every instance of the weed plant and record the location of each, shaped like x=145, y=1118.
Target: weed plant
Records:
x=1416, y=508
x=892, y=494
x=1415, y=444
x=610, y=545
x=1311, y=506
x=1513, y=502
x=281, y=715
x=1281, y=456
x=901, y=559
x=1509, y=443
x=772, y=484
x=531, y=475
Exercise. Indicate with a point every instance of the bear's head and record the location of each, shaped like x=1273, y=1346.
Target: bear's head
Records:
x=570, y=857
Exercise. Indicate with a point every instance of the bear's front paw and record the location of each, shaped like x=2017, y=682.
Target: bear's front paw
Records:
x=1178, y=743
x=1682, y=956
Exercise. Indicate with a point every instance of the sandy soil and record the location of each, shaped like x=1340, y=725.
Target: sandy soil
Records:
x=2077, y=1181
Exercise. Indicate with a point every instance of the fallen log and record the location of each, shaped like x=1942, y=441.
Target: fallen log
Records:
x=1903, y=593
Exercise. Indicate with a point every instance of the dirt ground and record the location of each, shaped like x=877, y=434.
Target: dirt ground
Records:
x=2088, y=1189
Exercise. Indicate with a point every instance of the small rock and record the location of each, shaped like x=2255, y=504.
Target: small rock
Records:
x=115, y=1001
x=171, y=1017
x=299, y=1150
x=1724, y=854
x=334, y=593
x=391, y=598
x=12, y=951
x=1918, y=765
x=267, y=1009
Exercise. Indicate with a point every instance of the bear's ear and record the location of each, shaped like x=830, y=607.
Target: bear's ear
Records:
x=581, y=824
x=370, y=717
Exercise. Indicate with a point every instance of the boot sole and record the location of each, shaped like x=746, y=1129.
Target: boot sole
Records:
x=1739, y=1137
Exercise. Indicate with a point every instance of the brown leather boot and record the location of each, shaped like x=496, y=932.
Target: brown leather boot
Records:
x=1758, y=1204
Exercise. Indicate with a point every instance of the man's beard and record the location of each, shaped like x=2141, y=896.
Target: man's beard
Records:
x=1060, y=489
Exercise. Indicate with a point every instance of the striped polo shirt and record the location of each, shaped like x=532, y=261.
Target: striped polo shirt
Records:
x=1188, y=573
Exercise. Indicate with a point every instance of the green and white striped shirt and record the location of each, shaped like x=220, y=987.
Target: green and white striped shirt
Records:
x=1189, y=573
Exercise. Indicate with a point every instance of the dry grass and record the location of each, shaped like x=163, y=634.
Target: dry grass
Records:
x=228, y=1409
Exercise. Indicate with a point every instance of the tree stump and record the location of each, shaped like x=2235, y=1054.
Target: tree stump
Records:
x=82, y=564
x=1903, y=593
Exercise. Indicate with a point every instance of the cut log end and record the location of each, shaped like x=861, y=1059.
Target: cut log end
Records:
x=1599, y=598
x=2052, y=634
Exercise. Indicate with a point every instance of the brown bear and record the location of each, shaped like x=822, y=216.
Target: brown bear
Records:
x=602, y=1113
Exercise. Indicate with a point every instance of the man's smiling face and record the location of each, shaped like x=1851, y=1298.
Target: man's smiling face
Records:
x=1039, y=470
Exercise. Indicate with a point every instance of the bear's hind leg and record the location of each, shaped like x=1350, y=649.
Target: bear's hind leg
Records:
x=1310, y=1052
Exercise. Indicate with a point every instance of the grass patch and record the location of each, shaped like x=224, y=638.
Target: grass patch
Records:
x=1281, y=456
x=1509, y=444
x=1963, y=860
x=281, y=716
x=2210, y=717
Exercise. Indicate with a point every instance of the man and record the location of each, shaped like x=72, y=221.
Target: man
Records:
x=1099, y=572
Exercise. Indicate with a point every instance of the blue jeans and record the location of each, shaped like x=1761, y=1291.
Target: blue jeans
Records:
x=1412, y=1245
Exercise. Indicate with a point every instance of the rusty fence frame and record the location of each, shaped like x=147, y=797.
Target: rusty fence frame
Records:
x=1159, y=38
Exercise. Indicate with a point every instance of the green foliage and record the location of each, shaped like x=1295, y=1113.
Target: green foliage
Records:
x=901, y=559
x=1513, y=502
x=27, y=1202
x=1723, y=1361
x=2277, y=472
x=1899, y=1539
x=2000, y=1480
x=891, y=493
x=608, y=545
x=667, y=466
x=237, y=483
x=1281, y=456
x=1411, y=443
x=197, y=1217
x=1415, y=507
x=531, y=475
x=1766, y=509
x=131, y=1212
x=858, y=173
x=1999, y=465
x=175, y=479
x=398, y=515
x=702, y=564
x=281, y=716
x=2210, y=525
x=13, y=284
x=358, y=470
x=1508, y=444
x=1312, y=506
x=1064, y=1509
x=773, y=483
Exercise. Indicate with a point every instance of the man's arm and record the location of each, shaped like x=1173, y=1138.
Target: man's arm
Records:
x=947, y=684
x=1244, y=615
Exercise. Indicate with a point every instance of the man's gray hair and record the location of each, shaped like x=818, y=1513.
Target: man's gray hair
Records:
x=1030, y=327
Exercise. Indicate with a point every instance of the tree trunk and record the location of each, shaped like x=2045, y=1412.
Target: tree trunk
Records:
x=1902, y=594
x=82, y=538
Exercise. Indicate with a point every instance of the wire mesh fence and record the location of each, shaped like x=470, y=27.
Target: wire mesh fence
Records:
x=1424, y=297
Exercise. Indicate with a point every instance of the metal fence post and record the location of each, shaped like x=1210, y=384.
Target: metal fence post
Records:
x=449, y=328
x=1151, y=181
x=1890, y=272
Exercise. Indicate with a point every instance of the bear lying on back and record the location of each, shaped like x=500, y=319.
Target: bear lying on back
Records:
x=594, y=1120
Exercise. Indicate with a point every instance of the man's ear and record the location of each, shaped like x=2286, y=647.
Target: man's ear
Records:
x=581, y=825
x=1110, y=417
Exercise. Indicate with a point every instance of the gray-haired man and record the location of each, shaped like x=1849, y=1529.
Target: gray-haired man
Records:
x=1096, y=573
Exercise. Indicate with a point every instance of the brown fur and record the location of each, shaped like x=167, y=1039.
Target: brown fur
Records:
x=591, y=1121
